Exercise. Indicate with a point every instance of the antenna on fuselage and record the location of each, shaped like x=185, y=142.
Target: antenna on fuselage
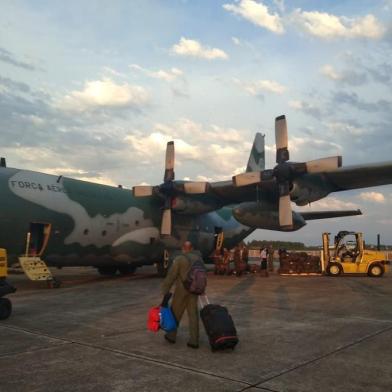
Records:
x=3, y=163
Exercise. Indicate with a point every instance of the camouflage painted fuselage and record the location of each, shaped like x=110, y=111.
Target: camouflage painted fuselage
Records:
x=99, y=225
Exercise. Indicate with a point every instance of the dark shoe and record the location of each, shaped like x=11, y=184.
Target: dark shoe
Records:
x=169, y=340
x=192, y=345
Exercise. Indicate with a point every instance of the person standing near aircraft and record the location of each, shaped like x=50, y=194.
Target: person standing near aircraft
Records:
x=263, y=264
x=240, y=259
x=217, y=257
x=183, y=298
x=226, y=260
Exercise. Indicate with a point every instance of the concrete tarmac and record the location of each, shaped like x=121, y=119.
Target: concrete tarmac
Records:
x=296, y=334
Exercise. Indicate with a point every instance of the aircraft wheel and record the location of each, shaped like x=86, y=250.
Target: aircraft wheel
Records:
x=107, y=270
x=126, y=269
x=334, y=269
x=5, y=308
x=162, y=269
x=376, y=270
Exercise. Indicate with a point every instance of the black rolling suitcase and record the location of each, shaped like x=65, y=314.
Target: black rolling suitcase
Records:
x=219, y=326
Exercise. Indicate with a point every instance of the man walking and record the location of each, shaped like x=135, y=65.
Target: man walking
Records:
x=182, y=298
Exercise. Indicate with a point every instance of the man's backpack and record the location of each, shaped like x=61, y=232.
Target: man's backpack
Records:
x=196, y=280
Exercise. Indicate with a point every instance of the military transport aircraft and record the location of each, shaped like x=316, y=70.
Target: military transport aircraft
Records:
x=69, y=222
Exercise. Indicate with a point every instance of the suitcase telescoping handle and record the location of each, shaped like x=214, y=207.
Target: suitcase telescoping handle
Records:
x=203, y=299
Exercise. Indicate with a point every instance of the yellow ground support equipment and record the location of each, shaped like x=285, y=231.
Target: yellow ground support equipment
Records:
x=349, y=256
x=3, y=263
x=36, y=269
x=5, y=287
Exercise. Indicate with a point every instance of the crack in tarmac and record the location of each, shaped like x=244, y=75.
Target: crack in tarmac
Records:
x=33, y=350
x=319, y=358
x=126, y=354
x=247, y=385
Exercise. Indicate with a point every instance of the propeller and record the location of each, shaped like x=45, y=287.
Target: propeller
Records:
x=285, y=172
x=169, y=189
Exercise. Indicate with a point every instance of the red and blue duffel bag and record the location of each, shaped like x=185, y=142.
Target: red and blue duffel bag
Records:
x=162, y=317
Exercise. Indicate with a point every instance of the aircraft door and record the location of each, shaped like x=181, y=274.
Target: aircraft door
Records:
x=37, y=238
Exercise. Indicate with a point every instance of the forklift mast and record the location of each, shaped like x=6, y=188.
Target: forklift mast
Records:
x=326, y=253
x=360, y=243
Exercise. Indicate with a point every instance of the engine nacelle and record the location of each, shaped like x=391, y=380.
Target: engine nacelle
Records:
x=303, y=194
x=262, y=216
x=189, y=206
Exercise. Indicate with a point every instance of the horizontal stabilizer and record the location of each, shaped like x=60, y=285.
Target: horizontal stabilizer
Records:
x=329, y=214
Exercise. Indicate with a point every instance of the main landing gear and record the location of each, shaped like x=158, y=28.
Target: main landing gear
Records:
x=112, y=270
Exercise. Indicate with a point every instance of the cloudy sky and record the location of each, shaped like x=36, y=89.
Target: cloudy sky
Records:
x=94, y=90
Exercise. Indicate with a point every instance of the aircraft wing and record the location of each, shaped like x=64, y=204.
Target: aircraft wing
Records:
x=312, y=215
x=317, y=184
x=361, y=176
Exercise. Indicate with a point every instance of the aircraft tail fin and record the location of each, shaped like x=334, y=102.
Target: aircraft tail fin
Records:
x=256, y=160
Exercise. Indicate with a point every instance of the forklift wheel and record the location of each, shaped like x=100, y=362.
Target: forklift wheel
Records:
x=334, y=269
x=376, y=270
x=5, y=308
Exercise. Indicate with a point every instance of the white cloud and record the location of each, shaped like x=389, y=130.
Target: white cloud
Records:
x=306, y=107
x=331, y=203
x=147, y=146
x=329, y=26
x=375, y=197
x=104, y=93
x=351, y=77
x=193, y=48
x=80, y=175
x=346, y=129
x=258, y=14
x=305, y=145
x=168, y=75
x=113, y=72
x=236, y=41
x=224, y=151
x=35, y=120
x=329, y=71
x=280, y=5
x=260, y=86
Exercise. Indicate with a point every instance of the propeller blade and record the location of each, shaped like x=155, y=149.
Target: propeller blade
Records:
x=166, y=222
x=248, y=178
x=285, y=213
x=281, y=139
x=324, y=164
x=195, y=187
x=169, y=162
x=142, y=190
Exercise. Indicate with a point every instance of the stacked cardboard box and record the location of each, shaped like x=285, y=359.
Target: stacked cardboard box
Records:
x=299, y=263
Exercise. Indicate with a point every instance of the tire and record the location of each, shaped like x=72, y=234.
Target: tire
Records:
x=162, y=270
x=334, y=269
x=5, y=308
x=376, y=270
x=107, y=270
x=126, y=269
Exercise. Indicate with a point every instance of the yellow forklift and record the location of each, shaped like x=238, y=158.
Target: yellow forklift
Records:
x=349, y=256
x=5, y=287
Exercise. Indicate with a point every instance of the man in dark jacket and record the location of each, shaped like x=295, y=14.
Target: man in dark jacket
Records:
x=182, y=298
